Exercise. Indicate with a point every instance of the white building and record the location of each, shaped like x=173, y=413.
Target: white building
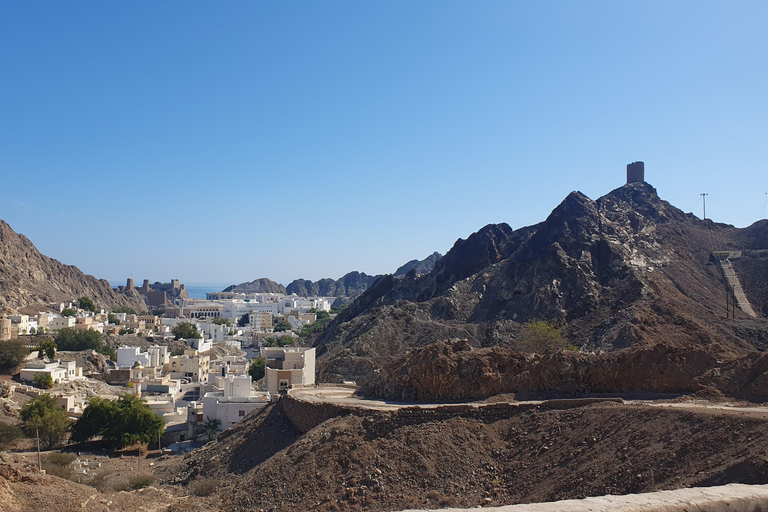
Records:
x=288, y=367
x=58, y=370
x=234, y=401
x=155, y=355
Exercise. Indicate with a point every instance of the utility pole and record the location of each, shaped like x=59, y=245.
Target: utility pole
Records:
x=39, y=462
x=704, y=200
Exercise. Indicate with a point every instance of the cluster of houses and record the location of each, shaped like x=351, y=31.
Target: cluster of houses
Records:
x=220, y=388
x=188, y=388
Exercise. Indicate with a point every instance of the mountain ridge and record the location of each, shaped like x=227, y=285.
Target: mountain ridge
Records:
x=628, y=269
x=32, y=280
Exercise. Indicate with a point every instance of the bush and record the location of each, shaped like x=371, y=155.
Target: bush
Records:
x=8, y=434
x=140, y=481
x=60, y=458
x=281, y=325
x=86, y=304
x=75, y=339
x=43, y=380
x=205, y=487
x=124, y=309
x=542, y=337
x=59, y=464
x=257, y=369
x=12, y=353
x=68, y=312
x=185, y=330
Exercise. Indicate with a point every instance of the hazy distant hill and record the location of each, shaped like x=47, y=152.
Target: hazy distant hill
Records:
x=30, y=279
x=626, y=270
x=352, y=285
x=262, y=285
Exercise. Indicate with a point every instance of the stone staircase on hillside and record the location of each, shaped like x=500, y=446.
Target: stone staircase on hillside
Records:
x=733, y=283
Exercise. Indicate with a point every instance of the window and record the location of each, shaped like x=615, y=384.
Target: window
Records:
x=241, y=413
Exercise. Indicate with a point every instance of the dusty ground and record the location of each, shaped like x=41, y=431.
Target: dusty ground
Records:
x=266, y=463
x=532, y=456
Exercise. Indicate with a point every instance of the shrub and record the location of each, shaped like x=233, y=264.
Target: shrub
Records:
x=542, y=337
x=140, y=481
x=257, y=369
x=43, y=380
x=8, y=434
x=185, y=330
x=205, y=487
x=12, y=353
x=86, y=303
x=60, y=458
x=59, y=464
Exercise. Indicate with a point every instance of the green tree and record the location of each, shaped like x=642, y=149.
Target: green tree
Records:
x=78, y=339
x=12, y=353
x=185, y=330
x=43, y=380
x=124, y=309
x=86, y=304
x=112, y=318
x=281, y=326
x=32, y=330
x=68, y=312
x=220, y=321
x=243, y=321
x=282, y=341
x=40, y=415
x=257, y=369
x=211, y=427
x=541, y=337
x=126, y=330
x=123, y=422
x=335, y=310
x=46, y=347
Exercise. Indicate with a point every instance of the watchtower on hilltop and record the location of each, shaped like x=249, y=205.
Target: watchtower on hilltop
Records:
x=636, y=172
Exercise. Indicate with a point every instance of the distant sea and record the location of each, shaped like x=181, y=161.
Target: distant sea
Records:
x=198, y=290
x=194, y=290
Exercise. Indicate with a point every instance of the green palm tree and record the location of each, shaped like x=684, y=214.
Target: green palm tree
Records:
x=211, y=427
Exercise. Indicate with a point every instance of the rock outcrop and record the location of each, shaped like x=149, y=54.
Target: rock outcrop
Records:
x=424, y=266
x=626, y=270
x=32, y=280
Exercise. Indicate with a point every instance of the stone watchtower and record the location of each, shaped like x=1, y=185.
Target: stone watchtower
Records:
x=129, y=285
x=636, y=172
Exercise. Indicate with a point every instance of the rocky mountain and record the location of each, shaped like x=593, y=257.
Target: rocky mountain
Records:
x=424, y=266
x=262, y=285
x=32, y=280
x=345, y=289
x=626, y=270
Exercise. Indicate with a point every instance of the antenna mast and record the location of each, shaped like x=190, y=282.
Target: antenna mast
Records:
x=704, y=200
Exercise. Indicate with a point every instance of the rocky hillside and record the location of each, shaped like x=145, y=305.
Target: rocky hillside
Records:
x=262, y=285
x=626, y=270
x=32, y=280
x=424, y=266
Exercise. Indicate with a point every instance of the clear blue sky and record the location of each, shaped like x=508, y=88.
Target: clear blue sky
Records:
x=225, y=141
